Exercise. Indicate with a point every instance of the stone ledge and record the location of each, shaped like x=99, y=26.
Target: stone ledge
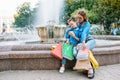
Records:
x=41, y=59
x=107, y=50
x=46, y=53
x=37, y=47
x=30, y=54
x=28, y=47
x=25, y=54
x=106, y=37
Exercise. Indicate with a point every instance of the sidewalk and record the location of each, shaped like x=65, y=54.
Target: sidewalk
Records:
x=110, y=72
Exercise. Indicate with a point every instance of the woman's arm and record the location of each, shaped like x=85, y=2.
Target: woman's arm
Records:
x=85, y=32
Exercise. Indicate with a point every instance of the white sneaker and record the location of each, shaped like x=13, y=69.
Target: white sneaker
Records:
x=62, y=69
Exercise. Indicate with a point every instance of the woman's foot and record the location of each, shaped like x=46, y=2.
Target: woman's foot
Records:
x=91, y=73
x=62, y=69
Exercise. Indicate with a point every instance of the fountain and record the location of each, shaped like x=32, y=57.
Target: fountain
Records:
x=49, y=28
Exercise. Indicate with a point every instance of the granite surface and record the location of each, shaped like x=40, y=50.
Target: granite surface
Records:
x=38, y=57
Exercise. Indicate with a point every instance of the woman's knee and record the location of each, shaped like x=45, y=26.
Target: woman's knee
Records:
x=91, y=44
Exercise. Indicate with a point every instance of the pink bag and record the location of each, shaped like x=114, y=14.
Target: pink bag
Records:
x=57, y=52
x=83, y=54
x=83, y=62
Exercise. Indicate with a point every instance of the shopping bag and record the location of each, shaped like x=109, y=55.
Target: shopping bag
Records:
x=53, y=47
x=57, y=51
x=81, y=65
x=93, y=61
x=67, y=51
x=83, y=54
x=83, y=62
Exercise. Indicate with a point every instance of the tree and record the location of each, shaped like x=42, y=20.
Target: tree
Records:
x=23, y=15
x=108, y=11
x=73, y=5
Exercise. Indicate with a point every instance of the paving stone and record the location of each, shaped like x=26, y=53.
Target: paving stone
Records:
x=109, y=72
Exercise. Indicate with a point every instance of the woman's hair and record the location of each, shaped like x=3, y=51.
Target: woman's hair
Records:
x=83, y=14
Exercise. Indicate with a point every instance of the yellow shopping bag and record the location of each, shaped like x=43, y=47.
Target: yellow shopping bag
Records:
x=53, y=47
x=93, y=60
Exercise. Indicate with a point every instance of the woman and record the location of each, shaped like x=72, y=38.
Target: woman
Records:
x=86, y=41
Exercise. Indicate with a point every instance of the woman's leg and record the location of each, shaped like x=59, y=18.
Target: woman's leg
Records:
x=62, y=68
x=91, y=44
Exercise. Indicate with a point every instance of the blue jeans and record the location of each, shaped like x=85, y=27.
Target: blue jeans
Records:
x=90, y=44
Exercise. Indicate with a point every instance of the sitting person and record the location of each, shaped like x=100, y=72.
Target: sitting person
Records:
x=73, y=40
x=86, y=41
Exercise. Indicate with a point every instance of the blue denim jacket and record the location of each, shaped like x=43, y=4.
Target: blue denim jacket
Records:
x=84, y=31
x=72, y=40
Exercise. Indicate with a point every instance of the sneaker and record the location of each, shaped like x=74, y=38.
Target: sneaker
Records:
x=62, y=69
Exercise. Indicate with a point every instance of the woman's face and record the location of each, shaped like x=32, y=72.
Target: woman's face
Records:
x=80, y=18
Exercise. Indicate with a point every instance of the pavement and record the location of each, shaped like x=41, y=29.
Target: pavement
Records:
x=109, y=72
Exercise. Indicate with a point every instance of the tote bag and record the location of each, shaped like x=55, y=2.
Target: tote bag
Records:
x=82, y=60
x=83, y=54
x=57, y=51
x=67, y=51
x=94, y=62
x=81, y=65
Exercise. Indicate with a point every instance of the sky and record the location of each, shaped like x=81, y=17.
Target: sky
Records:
x=8, y=7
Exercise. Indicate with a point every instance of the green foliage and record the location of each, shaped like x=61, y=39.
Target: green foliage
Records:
x=73, y=5
x=93, y=18
x=99, y=11
x=118, y=33
x=98, y=32
x=108, y=11
x=23, y=15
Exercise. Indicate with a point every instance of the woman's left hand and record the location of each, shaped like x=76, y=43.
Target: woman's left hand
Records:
x=83, y=45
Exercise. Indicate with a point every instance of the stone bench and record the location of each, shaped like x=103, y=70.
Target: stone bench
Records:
x=37, y=57
x=106, y=37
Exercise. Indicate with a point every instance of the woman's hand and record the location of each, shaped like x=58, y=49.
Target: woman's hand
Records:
x=83, y=45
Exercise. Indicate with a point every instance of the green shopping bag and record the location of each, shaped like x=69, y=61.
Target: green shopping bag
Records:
x=67, y=51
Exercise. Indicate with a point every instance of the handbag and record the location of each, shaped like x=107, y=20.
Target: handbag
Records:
x=93, y=61
x=67, y=51
x=81, y=65
x=83, y=54
x=82, y=60
x=57, y=51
